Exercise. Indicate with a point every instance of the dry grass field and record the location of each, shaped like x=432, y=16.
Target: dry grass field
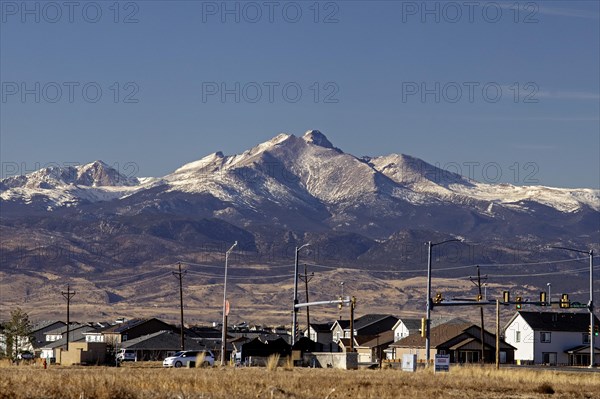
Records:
x=134, y=382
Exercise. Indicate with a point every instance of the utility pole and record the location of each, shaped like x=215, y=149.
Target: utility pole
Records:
x=294, y=308
x=479, y=298
x=352, y=306
x=179, y=275
x=306, y=278
x=497, y=334
x=68, y=295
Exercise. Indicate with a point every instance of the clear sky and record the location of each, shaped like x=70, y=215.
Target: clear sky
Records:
x=503, y=91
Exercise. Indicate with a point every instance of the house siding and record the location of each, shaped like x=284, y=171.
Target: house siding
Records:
x=525, y=347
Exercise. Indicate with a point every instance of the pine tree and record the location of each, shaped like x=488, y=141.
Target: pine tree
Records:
x=17, y=331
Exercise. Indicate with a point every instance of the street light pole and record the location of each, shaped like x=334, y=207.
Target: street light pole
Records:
x=295, y=314
x=224, y=326
x=591, y=301
x=428, y=314
x=430, y=245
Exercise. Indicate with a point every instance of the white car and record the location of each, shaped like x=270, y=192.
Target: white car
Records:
x=182, y=358
x=126, y=355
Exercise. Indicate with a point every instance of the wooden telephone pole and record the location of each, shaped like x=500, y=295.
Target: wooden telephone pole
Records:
x=479, y=298
x=68, y=295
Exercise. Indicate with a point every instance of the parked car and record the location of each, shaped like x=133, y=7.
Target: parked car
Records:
x=25, y=356
x=182, y=358
x=126, y=355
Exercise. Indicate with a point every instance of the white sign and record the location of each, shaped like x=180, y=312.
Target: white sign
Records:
x=442, y=363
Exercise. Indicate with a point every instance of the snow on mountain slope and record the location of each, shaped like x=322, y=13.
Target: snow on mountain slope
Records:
x=290, y=169
x=428, y=179
x=297, y=172
x=68, y=186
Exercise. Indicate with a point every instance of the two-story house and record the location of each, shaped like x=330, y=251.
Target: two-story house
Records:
x=321, y=334
x=369, y=324
x=551, y=338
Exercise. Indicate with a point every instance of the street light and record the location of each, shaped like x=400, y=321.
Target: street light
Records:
x=295, y=314
x=427, y=318
x=591, y=302
x=224, y=330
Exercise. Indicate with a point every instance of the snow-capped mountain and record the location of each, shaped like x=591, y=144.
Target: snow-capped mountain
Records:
x=57, y=186
x=293, y=171
x=292, y=187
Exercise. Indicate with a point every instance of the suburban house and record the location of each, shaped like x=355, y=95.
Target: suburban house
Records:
x=39, y=331
x=158, y=345
x=369, y=324
x=135, y=328
x=406, y=326
x=57, y=339
x=459, y=339
x=553, y=338
x=371, y=348
x=81, y=352
x=256, y=352
x=35, y=339
x=321, y=334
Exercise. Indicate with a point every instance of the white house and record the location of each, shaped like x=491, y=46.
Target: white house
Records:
x=405, y=327
x=554, y=338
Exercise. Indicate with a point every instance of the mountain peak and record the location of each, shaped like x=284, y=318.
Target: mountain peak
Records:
x=317, y=138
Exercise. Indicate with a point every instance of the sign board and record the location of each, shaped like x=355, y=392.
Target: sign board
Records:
x=578, y=305
x=442, y=363
x=409, y=363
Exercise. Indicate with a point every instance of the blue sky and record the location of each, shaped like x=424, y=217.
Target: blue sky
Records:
x=504, y=91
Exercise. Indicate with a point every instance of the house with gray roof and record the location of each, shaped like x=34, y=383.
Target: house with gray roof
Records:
x=552, y=338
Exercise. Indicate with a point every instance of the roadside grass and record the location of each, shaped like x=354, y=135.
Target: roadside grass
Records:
x=301, y=383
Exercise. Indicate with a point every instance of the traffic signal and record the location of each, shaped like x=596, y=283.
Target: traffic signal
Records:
x=543, y=298
x=340, y=304
x=564, y=301
x=423, y=327
x=596, y=330
x=438, y=298
x=518, y=304
x=505, y=296
x=479, y=297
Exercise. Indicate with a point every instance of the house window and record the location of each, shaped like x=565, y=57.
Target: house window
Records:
x=545, y=337
x=517, y=336
x=586, y=338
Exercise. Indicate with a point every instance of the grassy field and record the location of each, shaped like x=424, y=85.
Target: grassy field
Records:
x=134, y=382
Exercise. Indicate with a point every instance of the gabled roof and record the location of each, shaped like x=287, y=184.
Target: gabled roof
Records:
x=438, y=335
x=411, y=324
x=63, y=329
x=556, y=321
x=321, y=327
x=45, y=324
x=370, y=319
x=75, y=335
x=371, y=341
x=124, y=327
x=366, y=321
x=161, y=340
